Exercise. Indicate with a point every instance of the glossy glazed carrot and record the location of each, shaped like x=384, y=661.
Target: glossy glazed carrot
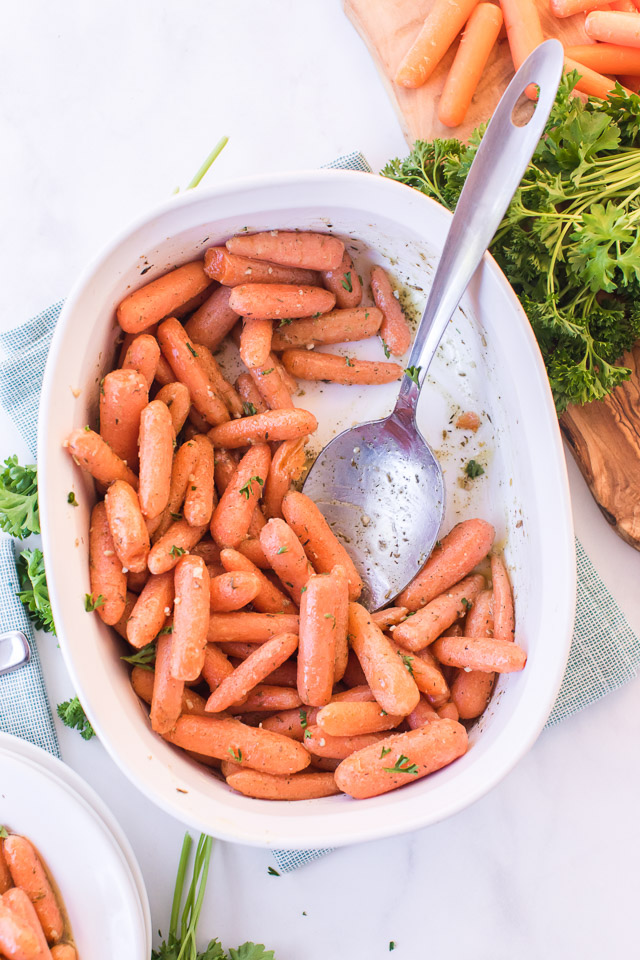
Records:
x=183, y=359
x=250, y=627
x=392, y=685
x=166, y=702
x=230, y=739
x=251, y=549
x=286, y=557
x=5, y=875
x=23, y=912
x=63, y=951
x=232, y=517
x=28, y=873
x=212, y=322
x=190, y=618
x=300, y=786
x=498, y=656
x=317, y=653
x=270, y=385
x=567, y=8
x=255, y=342
x=477, y=42
x=121, y=626
x=292, y=723
x=127, y=526
x=322, y=744
x=176, y=396
x=178, y=539
x=408, y=757
x=218, y=381
x=448, y=711
x=312, y=251
x=264, y=427
x=183, y=471
x=252, y=671
x=267, y=698
x=451, y=560
x=278, y=301
x=341, y=613
x=421, y=714
x=426, y=673
x=504, y=621
x=143, y=682
x=268, y=599
x=107, y=579
x=321, y=545
x=390, y=617
x=444, y=22
x=394, y=329
x=199, y=497
x=252, y=400
x=232, y=270
x=156, y=456
x=94, y=455
x=164, y=373
x=162, y=297
x=123, y=396
x=151, y=610
x=316, y=365
x=232, y=591
x=345, y=719
x=338, y=326
x=142, y=356
x=418, y=631
x=343, y=281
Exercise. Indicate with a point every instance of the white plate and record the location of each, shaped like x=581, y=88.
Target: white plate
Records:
x=89, y=857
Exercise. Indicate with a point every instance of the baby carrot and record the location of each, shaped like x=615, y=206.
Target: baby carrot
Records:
x=127, y=526
x=278, y=301
x=300, y=786
x=212, y=322
x=142, y=356
x=167, y=550
x=337, y=326
x=394, y=330
x=123, y=396
x=232, y=591
x=252, y=671
x=524, y=31
x=263, y=427
x=406, y=758
x=166, y=702
x=451, y=560
x=251, y=549
x=351, y=719
x=317, y=653
x=164, y=373
x=63, y=951
x=268, y=599
x=289, y=382
x=606, y=57
x=321, y=545
x=418, y=631
x=270, y=385
x=252, y=400
x=591, y=82
x=448, y=711
x=107, y=579
x=286, y=556
x=267, y=698
x=151, y=610
x=17, y=940
x=391, y=684
x=567, y=8
x=216, y=666
x=156, y=456
x=421, y=714
x=182, y=473
x=344, y=283
x=354, y=674
x=232, y=270
x=444, y=22
x=190, y=618
x=287, y=466
x=257, y=748
x=249, y=627
x=286, y=675
x=29, y=874
x=183, y=359
x=321, y=744
x=220, y=384
x=176, y=396
x=426, y=673
x=291, y=723
x=613, y=27
x=5, y=875
x=504, y=624
x=162, y=297
x=199, y=497
x=341, y=612
x=22, y=909
x=232, y=517
x=313, y=251
x=488, y=655
x=94, y=455
x=208, y=550
x=316, y=365
x=255, y=342
x=477, y=42
x=390, y=617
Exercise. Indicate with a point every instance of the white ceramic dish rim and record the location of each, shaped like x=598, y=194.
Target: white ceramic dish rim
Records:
x=218, y=823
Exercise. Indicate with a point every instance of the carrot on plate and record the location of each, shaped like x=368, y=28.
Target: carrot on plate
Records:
x=264, y=427
x=504, y=622
x=252, y=671
x=266, y=698
x=425, y=671
x=251, y=549
x=390, y=682
x=389, y=617
x=351, y=719
x=268, y=599
x=252, y=400
x=286, y=556
x=291, y=723
x=216, y=666
x=143, y=680
x=321, y=545
x=255, y=342
x=471, y=689
x=613, y=27
x=394, y=330
x=218, y=381
x=344, y=283
x=232, y=270
x=156, y=457
x=300, y=786
x=176, y=396
x=107, y=579
x=166, y=700
x=19, y=904
x=477, y=42
x=485, y=654
x=151, y=610
x=318, y=627
x=123, y=396
x=232, y=591
x=29, y=874
x=259, y=749
x=270, y=384
x=312, y=251
x=341, y=613
x=278, y=301
x=190, y=618
x=524, y=32
x=406, y=758
x=176, y=541
x=164, y=373
x=212, y=322
x=232, y=517
x=5, y=875
x=162, y=296
x=127, y=526
x=249, y=627
x=63, y=951
x=321, y=744
x=142, y=356
x=183, y=359
x=421, y=714
x=418, y=631
x=287, y=466
x=452, y=558
x=444, y=22
x=94, y=455
x=200, y=493
x=331, y=367
x=606, y=57
x=182, y=471
x=338, y=326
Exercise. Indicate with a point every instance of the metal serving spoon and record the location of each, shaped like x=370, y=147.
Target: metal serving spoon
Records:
x=379, y=484
x=14, y=651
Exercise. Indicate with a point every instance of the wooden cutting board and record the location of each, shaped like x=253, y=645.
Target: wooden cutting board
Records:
x=605, y=435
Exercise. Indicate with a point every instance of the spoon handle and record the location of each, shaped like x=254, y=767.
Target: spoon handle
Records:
x=497, y=169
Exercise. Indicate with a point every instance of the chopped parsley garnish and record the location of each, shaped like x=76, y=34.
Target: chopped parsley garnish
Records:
x=387, y=352
x=413, y=373
x=90, y=604
x=282, y=550
x=236, y=756
x=349, y=362
x=473, y=469
x=285, y=322
x=72, y=715
x=272, y=872
x=249, y=409
x=190, y=349
x=247, y=489
x=177, y=551
x=146, y=657
x=265, y=373
x=385, y=751
x=467, y=604
x=304, y=723
x=407, y=660
x=346, y=283
x=71, y=498
x=403, y=765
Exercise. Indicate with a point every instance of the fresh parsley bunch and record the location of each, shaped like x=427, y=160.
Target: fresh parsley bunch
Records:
x=72, y=714
x=34, y=592
x=569, y=242
x=19, y=499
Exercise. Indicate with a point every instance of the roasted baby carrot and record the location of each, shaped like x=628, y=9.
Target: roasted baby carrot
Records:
x=162, y=297
x=216, y=666
x=232, y=270
x=444, y=22
x=233, y=591
x=251, y=549
x=300, y=786
x=338, y=326
x=166, y=701
x=156, y=456
x=29, y=874
x=317, y=653
x=477, y=42
x=151, y=610
x=268, y=599
x=392, y=685
x=183, y=359
x=421, y=714
x=127, y=526
x=312, y=251
x=451, y=560
x=230, y=739
x=418, y=631
x=270, y=384
x=389, y=617
x=267, y=698
x=321, y=744
x=394, y=329
x=316, y=365
x=279, y=301
x=286, y=556
x=176, y=396
x=94, y=455
x=17, y=940
x=220, y=384
x=504, y=623
x=567, y=8
x=107, y=578
x=287, y=466
x=250, y=627
x=5, y=875
x=63, y=951
x=351, y=719
x=321, y=545
x=190, y=618
x=179, y=539
x=212, y=322
x=428, y=677
x=613, y=27
x=264, y=427
x=344, y=283
x=143, y=681
x=142, y=356
x=252, y=671
x=199, y=496
x=232, y=517
x=252, y=400
x=255, y=342
x=406, y=757
x=341, y=612
x=498, y=656
x=448, y=711
x=292, y=723
x=123, y=396
x=182, y=473
x=19, y=904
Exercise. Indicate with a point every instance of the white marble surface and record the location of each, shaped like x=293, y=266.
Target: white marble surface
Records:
x=104, y=109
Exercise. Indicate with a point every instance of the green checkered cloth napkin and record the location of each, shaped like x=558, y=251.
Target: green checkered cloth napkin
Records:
x=605, y=653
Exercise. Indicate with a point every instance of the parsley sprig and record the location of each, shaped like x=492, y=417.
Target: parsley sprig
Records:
x=19, y=514
x=34, y=592
x=72, y=714
x=403, y=765
x=247, y=489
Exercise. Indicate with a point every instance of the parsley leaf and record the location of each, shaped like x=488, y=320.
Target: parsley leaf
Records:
x=71, y=498
x=473, y=469
x=91, y=604
x=251, y=951
x=72, y=715
x=387, y=351
x=19, y=514
x=249, y=409
x=346, y=283
x=177, y=551
x=146, y=657
x=413, y=373
x=34, y=593
x=403, y=765
x=4, y=833
x=247, y=489
x=272, y=872
x=236, y=755
x=190, y=349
